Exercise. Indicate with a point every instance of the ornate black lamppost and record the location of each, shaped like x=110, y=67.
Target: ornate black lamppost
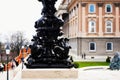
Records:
x=48, y=50
x=7, y=53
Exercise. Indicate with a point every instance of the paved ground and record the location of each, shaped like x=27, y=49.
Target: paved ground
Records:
x=98, y=73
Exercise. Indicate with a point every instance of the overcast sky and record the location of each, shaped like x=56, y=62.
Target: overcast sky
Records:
x=19, y=15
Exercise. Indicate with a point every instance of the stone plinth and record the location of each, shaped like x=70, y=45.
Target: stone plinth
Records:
x=36, y=74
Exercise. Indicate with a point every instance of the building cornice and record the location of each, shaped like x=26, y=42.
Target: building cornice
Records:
x=100, y=2
x=95, y=37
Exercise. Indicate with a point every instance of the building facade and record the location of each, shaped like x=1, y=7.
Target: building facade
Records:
x=93, y=26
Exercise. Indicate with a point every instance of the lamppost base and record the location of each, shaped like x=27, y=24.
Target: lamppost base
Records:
x=50, y=63
x=34, y=66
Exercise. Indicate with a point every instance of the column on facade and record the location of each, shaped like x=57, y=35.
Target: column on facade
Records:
x=76, y=24
x=117, y=18
x=73, y=31
x=72, y=21
x=67, y=29
x=75, y=16
x=100, y=19
x=70, y=15
x=83, y=19
x=70, y=29
x=73, y=27
x=79, y=19
x=69, y=23
x=76, y=19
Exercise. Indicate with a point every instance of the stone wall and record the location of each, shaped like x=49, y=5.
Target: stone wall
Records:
x=81, y=45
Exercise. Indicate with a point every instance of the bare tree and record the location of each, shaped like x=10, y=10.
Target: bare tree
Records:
x=17, y=40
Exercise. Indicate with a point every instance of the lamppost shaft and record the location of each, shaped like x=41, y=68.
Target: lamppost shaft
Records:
x=7, y=54
x=7, y=68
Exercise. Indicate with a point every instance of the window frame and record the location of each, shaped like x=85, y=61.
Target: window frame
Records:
x=94, y=47
x=90, y=8
x=106, y=8
x=90, y=26
x=106, y=27
x=111, y=46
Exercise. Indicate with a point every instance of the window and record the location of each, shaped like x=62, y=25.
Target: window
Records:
x=92, y=46
x=92, y=27
x=91, y=8
x=109, y=46
x=108, y=8
x=108, y=26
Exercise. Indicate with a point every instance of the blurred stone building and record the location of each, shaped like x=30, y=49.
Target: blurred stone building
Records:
x=93, y=26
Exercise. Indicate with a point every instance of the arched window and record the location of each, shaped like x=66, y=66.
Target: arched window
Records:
x=109, y=27
x=108, y=8
x=92, y=26
x=91, y=8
